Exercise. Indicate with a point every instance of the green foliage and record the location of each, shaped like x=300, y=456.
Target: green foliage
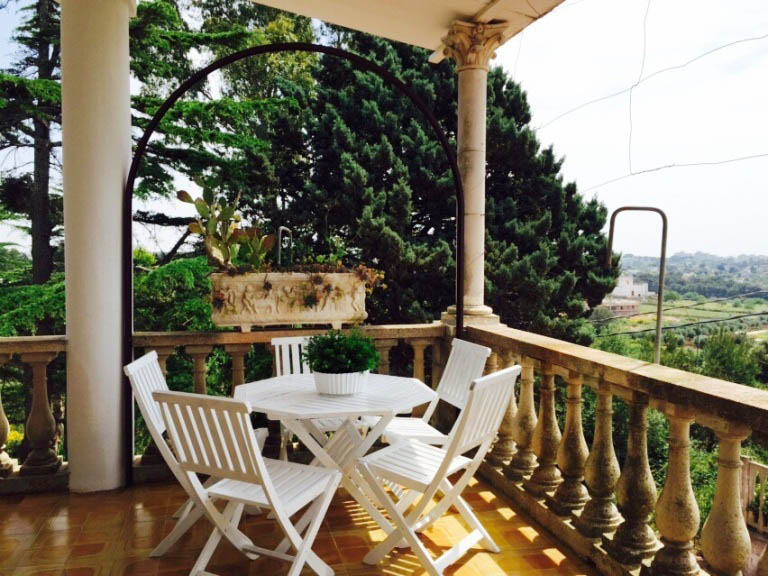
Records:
x=174, y=297
x=15, y=267
x=729, y=356
x=671, y=296
x=24, y=308
x=338, y=352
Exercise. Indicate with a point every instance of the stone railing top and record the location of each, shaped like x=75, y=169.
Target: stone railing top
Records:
x=32, y=344
x=387, y=331
x=717, y=403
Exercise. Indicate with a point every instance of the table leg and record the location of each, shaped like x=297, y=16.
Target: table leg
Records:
x=351, y=480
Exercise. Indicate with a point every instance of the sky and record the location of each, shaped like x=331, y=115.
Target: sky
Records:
x=707, y=111
x=711, y=110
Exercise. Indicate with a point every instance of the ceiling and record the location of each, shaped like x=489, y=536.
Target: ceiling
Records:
x=418, y=22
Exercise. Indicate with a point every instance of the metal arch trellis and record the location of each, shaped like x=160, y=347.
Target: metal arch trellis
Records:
x=359, y=63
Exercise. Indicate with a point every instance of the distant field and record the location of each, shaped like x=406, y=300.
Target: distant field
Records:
x=709, y=311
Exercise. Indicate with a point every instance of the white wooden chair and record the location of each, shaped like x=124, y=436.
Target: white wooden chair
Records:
x=146, y=377
x=422, y=469
x=289, y=357
x=465, y=363
x=213, y=436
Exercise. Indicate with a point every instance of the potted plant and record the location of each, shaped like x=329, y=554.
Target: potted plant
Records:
x=247, y=292
x=341, y=361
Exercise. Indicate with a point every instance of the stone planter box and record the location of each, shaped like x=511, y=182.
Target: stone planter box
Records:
x=287, y=298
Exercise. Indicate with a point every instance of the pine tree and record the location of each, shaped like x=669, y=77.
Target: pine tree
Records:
x=30, y=102
x=381, y=183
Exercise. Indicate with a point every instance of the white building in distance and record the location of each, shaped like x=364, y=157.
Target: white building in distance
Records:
x=628, y=288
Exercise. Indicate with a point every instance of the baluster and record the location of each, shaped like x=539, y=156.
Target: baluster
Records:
x=762, y=565
x=199, y=355
x=636, y=492
x=572, y=454
x=725, y=541
x=492, y=364
x=524, y=460
x=419, y=345
x=383, y=347
x=546, y=438
x=677, y=514
x=437, y=363
x=163, y=352
x=601, y=472
x=504, y=448
x=237, y=352
x=40, y=429
x=6, y=464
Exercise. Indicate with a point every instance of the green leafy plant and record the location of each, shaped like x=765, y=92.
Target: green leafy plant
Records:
x=254, y=247
x=337, y=352
x=217, y=223
x=230, y=247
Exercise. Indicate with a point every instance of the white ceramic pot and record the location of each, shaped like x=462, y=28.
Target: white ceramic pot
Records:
x=340, y=384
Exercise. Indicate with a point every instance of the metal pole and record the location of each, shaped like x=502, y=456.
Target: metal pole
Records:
x=662, y=264
x=280, y=231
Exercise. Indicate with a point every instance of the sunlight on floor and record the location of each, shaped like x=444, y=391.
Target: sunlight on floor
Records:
x=112, y=534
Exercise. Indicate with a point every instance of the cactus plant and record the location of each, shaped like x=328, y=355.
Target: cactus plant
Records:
x=226, y=244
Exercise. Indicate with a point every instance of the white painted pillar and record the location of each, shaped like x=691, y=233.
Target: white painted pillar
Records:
x=96, y=137
x=472, y=46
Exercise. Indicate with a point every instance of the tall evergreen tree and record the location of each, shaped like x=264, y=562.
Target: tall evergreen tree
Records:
x=30, y=118
x=380, y=181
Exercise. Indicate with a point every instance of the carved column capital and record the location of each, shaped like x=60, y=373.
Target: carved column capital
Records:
x=473, y=44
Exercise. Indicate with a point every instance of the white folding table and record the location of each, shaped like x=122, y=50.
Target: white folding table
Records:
x=293, y=400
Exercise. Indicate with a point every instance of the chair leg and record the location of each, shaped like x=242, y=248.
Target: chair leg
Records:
x=184, y=509
x=192, y=515
x=402, y=527
x=232, y=513
x=469, y=517
x=303, y=545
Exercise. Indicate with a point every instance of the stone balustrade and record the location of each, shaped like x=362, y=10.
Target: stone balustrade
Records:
x=608, y=514
x=41, y=467
x=582, y=495
x=198, y=345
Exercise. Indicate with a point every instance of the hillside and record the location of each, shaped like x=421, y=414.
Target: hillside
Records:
x=700, y=273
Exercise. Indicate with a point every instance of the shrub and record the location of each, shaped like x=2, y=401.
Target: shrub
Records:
x=337, y=352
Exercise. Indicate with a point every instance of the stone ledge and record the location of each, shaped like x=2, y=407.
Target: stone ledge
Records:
x=146, y=473
x=17, y=484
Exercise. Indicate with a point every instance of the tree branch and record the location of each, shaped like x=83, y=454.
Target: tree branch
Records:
x=172, y=252
x=160, y=219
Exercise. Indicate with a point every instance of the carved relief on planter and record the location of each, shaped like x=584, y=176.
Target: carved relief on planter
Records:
x=274, y=298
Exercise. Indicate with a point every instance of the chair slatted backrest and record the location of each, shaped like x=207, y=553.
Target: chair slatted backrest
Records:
x=288, y=355
x=212, y=435
x=489, y=399
x=146, y=377
x=465, y=364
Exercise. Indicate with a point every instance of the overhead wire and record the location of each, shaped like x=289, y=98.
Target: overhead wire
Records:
x=688, y=325
x=637, y=82
x=652, y=75
x=674, y=165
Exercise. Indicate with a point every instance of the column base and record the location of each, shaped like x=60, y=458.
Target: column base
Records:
x=598, y=517
x=521, y=466
x=35, y=467
x=6, y=465
x=473, y=316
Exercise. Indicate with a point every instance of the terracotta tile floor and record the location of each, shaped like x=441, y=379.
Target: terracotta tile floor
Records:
x=113, y=533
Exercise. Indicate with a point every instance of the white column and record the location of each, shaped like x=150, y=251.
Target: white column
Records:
x=472, y=45
x=96, y=136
